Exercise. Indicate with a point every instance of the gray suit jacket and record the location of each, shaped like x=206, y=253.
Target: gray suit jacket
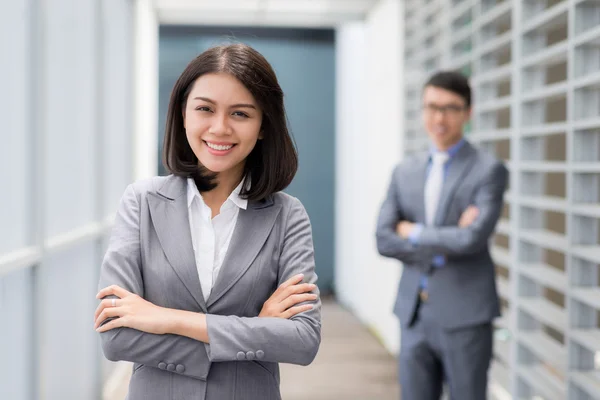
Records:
x=150, y=253
x=463, y=292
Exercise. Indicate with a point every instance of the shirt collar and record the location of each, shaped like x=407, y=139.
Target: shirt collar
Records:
x=452, y=150
x=192, y=192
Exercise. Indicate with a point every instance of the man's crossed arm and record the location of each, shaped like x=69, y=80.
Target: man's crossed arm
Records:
x=417, y=244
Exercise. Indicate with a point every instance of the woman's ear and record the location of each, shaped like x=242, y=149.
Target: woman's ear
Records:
x=261, y=135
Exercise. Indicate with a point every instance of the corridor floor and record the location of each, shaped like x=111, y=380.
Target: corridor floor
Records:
x=351, y=364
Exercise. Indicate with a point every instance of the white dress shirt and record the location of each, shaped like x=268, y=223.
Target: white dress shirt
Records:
x=211, y=236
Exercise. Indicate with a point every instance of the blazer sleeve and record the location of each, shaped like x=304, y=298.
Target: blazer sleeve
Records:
x=456, y=241
x=389, y=244
x=295, y=340
x=122, y=266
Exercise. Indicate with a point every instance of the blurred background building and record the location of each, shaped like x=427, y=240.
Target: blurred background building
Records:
x=535, y=68
x=84, y=87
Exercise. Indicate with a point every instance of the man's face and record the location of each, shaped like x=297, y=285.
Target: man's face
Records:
x=444, y=115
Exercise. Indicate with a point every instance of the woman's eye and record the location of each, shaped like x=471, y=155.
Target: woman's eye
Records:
x=240, y=114
x=202, y=108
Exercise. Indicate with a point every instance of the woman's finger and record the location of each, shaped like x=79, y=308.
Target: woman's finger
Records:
x=279, y=295
x=300, y=288
x=296, y=310
x=99, y=309
x=107, y=313
x=292, y=281
x=297, y=298
x=115, y=323
x=113, y=290
x=106, y=303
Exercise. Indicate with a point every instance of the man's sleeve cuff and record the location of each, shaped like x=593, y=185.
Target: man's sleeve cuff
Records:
x=415, y=234
x=439, y=261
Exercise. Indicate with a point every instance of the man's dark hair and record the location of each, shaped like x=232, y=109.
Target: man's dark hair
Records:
x=454, y=82
x=273, y=162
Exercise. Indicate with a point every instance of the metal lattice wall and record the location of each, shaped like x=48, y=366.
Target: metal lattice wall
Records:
x=535, y=70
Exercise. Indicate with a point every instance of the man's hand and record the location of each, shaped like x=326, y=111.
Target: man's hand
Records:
x=404, y=229
x=468, y=216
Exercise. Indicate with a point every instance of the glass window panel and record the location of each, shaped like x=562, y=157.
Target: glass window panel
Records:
x=71, y=100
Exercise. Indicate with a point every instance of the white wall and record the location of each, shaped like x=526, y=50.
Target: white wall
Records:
x=145, y=90
x=369, y=143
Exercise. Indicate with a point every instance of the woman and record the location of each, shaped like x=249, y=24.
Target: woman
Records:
x=208, y=281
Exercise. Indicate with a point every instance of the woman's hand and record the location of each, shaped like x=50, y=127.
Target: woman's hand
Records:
x=291, y=292
x=132, y=312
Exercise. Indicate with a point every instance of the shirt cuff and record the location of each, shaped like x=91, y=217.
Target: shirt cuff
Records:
x=414, y=235
x=439, y=261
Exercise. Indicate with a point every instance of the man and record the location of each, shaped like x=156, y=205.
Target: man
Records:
x=440, y=211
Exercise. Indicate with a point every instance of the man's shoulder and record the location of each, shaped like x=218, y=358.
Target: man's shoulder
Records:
x=486, y=159
x=409, y=162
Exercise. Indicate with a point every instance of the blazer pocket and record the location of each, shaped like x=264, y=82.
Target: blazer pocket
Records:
x=255, y=381
x=137, y=366
x=150, y=383
x=264, y=367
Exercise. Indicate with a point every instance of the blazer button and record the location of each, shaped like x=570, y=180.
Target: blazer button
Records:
x=250, y=355
x=162, y=365
x=260, y=354
x=241, y=356
x=180, y=369
x=171, y=367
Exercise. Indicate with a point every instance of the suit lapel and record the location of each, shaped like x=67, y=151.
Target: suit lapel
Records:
x=459, y=165
x=252, y=230
x=421, y=175
x=169, y=213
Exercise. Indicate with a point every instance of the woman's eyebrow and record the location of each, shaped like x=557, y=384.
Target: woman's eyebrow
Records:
x=240, y=105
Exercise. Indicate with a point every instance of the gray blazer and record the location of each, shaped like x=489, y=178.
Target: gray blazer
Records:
x=463, y=292
x=150, y=253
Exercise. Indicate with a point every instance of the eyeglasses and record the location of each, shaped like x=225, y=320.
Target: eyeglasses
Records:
x=452, y=110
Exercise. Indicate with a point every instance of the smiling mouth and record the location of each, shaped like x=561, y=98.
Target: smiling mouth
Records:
x=219, y=147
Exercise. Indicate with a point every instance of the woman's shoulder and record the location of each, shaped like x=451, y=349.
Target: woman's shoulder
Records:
x=169, y=185
x=285, y=200
x=291, y=206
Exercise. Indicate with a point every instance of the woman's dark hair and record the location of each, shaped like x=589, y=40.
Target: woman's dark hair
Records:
x=273, y=162
x=454, y=82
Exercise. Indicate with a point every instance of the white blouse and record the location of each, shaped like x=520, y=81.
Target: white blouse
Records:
x=211, y=236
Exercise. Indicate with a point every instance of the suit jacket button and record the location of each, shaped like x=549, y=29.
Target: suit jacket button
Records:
x=180, y=369
x=250, y=355
x=171, y=367
x=241, y=355
x=260, y=354
x=162, y=365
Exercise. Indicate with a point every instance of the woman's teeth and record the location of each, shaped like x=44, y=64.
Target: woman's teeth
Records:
x=218, y=146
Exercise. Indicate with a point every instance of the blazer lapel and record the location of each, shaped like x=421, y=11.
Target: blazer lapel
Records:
x=459, y=165
x=169, y=213
x=252, y=230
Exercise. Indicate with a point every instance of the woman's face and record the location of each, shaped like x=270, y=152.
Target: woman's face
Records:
x=222, y=123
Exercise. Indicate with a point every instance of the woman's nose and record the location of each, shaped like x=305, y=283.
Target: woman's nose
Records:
x=220, y=125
